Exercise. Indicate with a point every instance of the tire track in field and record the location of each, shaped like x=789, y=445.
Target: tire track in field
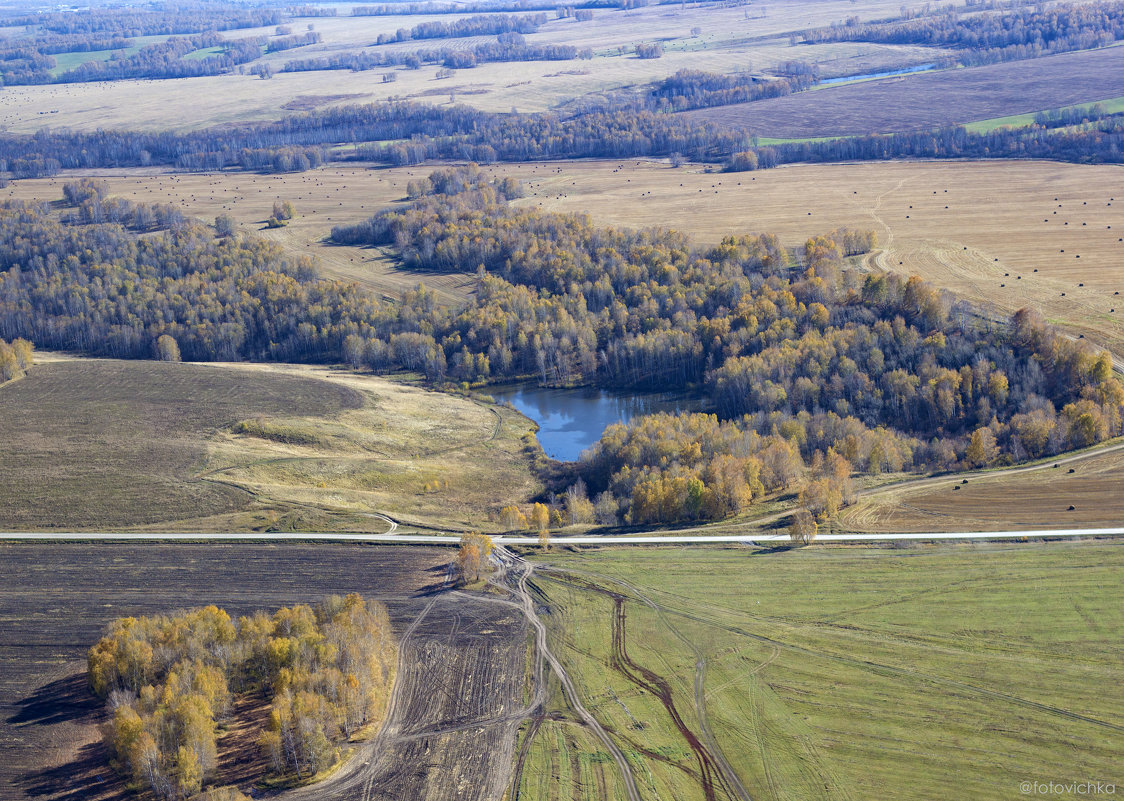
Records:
x=522, y=593
x=715, y=771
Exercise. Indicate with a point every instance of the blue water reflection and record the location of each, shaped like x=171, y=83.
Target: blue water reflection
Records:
x=570, y=420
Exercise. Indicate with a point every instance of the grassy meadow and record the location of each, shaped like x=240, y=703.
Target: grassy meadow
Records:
x=950, y=672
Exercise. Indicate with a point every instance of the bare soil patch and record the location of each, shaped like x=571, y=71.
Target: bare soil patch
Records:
x=909, y=103
x=460, y=676
x=102, y=443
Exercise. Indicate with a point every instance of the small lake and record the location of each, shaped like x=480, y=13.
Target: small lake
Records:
x=570, y=420
x=869, y=75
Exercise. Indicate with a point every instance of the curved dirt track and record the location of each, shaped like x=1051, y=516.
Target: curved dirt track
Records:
x=458, y=695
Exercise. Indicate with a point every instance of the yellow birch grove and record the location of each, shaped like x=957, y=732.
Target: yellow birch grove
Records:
x=170, y=680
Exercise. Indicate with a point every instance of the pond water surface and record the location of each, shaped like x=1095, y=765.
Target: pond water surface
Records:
x=570, y=420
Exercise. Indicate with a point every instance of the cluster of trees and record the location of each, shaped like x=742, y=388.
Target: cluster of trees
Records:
x=270, y=159
x=168, y=681
x=167, y=60
x=982, y=38
x=667, y=468
x=290, y=42
x=481, y=25
x=1099, y=141
x=507, y=47
x=14, y=359
x=475, y=548
x=688, y=89
x=89, y=204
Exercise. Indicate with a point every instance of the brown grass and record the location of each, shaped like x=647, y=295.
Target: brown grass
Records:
x=997, y=502
x=99, y=443
x=927, y=100
x=102, y=444
x=323, y=198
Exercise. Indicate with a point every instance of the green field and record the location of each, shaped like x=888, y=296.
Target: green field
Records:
x=1113, y=105
x=64, y=62
x=952, y=672
x=206, y=52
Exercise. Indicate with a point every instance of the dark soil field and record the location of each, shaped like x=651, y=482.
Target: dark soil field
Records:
x=450, y=727
x=929, y=100
x=86, y=443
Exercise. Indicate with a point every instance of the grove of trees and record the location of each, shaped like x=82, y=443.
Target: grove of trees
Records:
x=14, y=359
x=168, y=681
x=802, y=357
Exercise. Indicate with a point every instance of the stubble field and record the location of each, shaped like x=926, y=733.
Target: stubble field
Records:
x=1084, y=493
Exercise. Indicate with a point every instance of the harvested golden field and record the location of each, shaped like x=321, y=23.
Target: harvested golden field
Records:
x=1005, y=234
x=323, y=198
x=1075, y=494
x=91, y=444
x=732, y=39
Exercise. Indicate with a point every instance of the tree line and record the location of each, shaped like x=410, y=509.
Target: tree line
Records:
x=169, y=680
x=291, y=42
x=421, y=132
x=167, y=60
x=479, y=25
x=1095, y=141
x=507, y=47
x=982, y=38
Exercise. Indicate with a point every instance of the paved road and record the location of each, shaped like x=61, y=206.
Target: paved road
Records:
x=452, y=539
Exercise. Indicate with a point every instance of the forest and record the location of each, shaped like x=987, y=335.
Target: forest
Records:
x=1096, y=138
x=885, y=372
x=483, y=25
x=421, y=132
x=169, y=681
x=507, y=47
x=155, y=19
x=1019, y=33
